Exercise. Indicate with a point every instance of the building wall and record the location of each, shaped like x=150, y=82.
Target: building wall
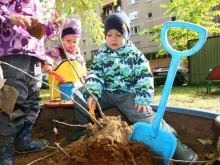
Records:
x=145, y=7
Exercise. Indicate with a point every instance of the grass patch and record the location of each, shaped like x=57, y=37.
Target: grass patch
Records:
x=191, y=97
x=45, y=95
x=181, y=96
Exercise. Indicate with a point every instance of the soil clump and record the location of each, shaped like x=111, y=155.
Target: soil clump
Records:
x=108, y=145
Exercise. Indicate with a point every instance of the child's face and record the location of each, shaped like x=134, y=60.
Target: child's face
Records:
x=71, y=42
x=114, y=39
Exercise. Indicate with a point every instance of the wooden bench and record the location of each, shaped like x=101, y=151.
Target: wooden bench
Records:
x=213, y=76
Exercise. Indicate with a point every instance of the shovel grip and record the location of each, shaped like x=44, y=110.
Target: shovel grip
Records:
x=164, y=40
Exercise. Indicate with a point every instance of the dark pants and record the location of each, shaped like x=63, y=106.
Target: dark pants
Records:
x=27, y=104
x=125, y=104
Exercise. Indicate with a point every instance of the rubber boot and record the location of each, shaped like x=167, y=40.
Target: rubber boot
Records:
x=183, y=152
x=24, y=143
x=6, y=150
x=76, y=134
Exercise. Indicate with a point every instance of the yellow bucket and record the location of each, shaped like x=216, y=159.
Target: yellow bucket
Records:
x=68, y=73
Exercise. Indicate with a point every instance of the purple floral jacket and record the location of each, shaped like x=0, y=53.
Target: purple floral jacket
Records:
x=15, y=39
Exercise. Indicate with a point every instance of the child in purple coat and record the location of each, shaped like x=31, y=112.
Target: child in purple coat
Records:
x=23, y=51
x=70, y=36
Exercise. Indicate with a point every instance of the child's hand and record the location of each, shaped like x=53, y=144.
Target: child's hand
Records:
x=84, y=77
x=48, y=68
x=89, y=102
x=18, y=19
x=61, y=22
x=145, y=108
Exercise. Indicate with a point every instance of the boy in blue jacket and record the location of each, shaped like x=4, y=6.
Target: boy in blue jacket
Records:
x=120, y=76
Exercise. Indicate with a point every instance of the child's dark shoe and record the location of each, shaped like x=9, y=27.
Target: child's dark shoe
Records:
x=6, y=150
x=30, y=146
x=76, y=134
x=24, y=143
x=183, y=152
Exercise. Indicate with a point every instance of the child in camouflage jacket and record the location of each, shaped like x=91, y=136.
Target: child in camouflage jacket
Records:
x=120, y=77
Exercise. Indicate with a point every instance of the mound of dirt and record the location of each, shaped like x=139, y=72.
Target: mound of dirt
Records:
x=108, y=145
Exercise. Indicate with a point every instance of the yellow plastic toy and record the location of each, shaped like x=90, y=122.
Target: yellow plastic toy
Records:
x=68, y=73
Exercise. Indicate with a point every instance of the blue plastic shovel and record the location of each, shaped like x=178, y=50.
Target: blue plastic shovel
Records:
x=160, y=141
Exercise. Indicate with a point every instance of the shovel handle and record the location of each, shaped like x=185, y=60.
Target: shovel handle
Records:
x=176, y=56
x=58, y=77
x=92, y=111
x=164, y=40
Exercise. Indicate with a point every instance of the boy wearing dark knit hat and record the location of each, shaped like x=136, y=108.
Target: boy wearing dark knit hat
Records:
x=120, y=22
x=70, y=35
x=120, y=76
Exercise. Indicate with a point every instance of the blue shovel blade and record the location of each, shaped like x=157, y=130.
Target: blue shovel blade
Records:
x=163, y=144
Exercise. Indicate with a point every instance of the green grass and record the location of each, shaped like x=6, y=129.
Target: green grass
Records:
x=45, y=95
x=191, y=97
x=181, y=96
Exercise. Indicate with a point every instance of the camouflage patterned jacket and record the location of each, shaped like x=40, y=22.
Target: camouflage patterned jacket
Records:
x=125, y=69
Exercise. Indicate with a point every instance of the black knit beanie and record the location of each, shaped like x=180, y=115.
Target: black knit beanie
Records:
x=119, y=21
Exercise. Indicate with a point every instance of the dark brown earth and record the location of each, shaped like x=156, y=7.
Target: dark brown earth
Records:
x=109, y=146
x=36, y=29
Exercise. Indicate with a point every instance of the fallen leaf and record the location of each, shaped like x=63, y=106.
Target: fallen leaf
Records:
x=203, y=141
x=9, y=95
x=2, y=80
x=211, y=156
